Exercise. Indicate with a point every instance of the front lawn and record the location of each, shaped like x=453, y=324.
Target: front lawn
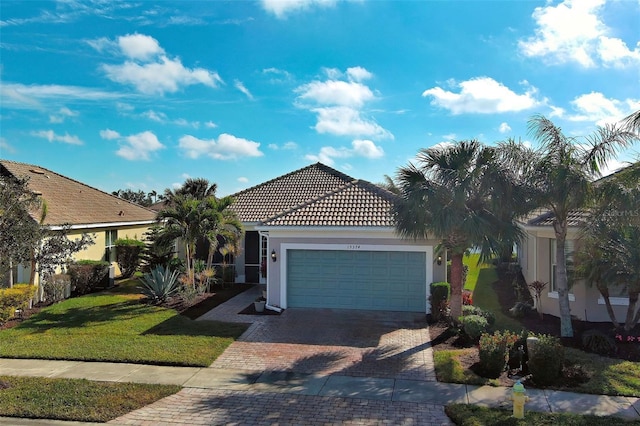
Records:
x=117, y=327
x=75, y=399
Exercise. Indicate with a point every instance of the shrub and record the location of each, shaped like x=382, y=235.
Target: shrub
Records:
x=493, y=350
x=188, y=294
x=520, y=309
x=545, y=362
x=440, y=293
x=57, y=287
x=15, y=298
x=158, y=250
x=86, y=275
x=474, y=325
x=159, y=284
x=518, y=351
x=467, y=297
x=597, y=342
x=128, y=253
x=474, y=310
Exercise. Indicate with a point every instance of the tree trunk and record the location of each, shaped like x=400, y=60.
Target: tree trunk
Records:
x=604, y=291
x=562, y=285
x=455, y=301
x=631, y=321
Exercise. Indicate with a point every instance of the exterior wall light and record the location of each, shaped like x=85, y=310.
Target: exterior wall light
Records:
x=439, y=260
x=274, y=257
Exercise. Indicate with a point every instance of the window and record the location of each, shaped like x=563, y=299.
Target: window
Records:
x=110, y=245
x=568, y=251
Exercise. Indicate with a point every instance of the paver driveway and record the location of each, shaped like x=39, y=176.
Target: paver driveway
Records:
x=332, y=341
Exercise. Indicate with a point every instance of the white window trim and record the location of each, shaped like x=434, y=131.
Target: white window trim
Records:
x=554, y=295
x=615, y=301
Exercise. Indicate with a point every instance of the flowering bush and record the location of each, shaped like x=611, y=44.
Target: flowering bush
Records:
x=494, y=350
x=467, y=297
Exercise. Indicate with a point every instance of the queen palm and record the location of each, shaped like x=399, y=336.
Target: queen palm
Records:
x=449, y=196
x=221, y=221
x=560, y=175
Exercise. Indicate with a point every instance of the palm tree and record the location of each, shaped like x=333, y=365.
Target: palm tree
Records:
x=198, y=188
x=449, y=196
x=220, y=221
x=560, y=174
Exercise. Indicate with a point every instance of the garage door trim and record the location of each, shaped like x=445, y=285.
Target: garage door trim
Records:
x=282, y=256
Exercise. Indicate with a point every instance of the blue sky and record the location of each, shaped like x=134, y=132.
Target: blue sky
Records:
x=144, y=94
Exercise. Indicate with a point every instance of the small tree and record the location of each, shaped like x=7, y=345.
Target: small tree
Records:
x=128, y=253
x=158, y=251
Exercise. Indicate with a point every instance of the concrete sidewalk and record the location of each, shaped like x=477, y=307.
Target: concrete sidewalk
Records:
x=328, y=386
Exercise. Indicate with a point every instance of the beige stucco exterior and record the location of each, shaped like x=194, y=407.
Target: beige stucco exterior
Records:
x=585, y=301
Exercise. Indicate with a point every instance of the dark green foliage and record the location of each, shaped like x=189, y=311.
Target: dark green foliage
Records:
x=158, y=251
x=473, y=326
x=440, y=292
x=520, y=309
x=474, y=310
x=128, y=253
x=545, y=362
x=86, y=275
x=597, y=342
x=494, y=351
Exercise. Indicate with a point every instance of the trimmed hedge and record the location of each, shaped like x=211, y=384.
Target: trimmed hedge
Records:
x=128, y=253
x=440, y=292
x=86, y=275
x=15, y=298
x=545, y=362
x=474, y=325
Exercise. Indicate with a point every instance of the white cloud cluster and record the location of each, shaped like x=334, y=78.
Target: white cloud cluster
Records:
x=482, y=95
x=281, y=8
x=286, y=146
x=594, y=107
x=161, y=117
x=149, y=69
x=52, y=136
x=504, y=128
x=227, y=147
x=359, y=148
x=241, y=87
x=62, y=114
x=16, y=95
x=574, y=31
x=139, y=146
x=338, y=103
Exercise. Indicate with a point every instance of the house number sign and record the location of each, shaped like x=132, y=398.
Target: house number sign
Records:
x=353, y=247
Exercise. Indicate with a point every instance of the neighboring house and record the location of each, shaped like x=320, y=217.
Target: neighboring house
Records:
x=85, y=209
x=536, y=255
x=319, y=238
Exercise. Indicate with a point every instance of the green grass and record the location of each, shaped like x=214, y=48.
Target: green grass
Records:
x=474, y=269
x=114, y=326
x=470, y=415
x=449, y=370
x=75, y=399
x=486, y=298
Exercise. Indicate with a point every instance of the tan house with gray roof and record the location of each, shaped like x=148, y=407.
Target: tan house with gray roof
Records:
x=319, y=238
x=85, y=209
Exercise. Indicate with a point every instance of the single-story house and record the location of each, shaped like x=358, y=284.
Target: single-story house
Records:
x=85, y=209
x=537, y=254
x=319, y=238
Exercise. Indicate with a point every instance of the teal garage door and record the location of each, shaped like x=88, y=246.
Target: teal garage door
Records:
x=375, y=280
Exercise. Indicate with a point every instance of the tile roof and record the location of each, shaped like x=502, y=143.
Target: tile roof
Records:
x=543, y=217
x=316, y=195
x=72, y=202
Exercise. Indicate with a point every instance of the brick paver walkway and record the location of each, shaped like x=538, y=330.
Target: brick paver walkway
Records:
x=210, y=407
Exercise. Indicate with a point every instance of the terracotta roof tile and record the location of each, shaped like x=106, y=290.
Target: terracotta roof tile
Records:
x=542, y=217
x=72, y=202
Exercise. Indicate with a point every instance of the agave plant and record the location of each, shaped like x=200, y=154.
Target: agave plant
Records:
x=159, y=284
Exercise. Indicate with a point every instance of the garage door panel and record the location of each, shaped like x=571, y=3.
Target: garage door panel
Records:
x=377, y=280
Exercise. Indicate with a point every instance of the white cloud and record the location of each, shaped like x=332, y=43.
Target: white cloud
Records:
x=160, y=77
x=242, y=179
x=504, y=128
x=482, y=95
x=574, y=31
x=227, y=147
x=15, y=95
x=596, y=108
x=210, y=125
x=241, y=87
x=279, y=76
x=335, y=92
x=286, y=146
x=52, y=136
x=139, y=146
x=139, y=46
x=358, y=74
x=159, y=117
x=61, y=115
x=359, y=148
x=345, y=121
x=450, y=136
x=280, y=8
x=4, y=145
x=109, y=134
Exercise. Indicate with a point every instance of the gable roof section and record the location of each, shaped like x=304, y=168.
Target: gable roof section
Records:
x=543, y=217
x=358, y=203
x=74, y=203
x=316, y=195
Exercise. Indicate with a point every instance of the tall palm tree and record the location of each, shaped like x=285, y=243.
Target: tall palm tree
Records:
x=198, y=188
x=448, y=196
x=560, y=175
x=220, y=221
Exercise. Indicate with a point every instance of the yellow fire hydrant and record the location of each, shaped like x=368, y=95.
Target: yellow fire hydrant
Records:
x=518, y=397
